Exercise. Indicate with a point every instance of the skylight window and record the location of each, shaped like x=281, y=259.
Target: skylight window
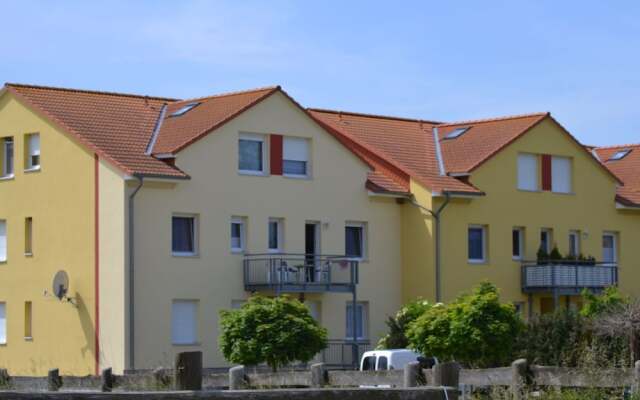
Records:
x=456, y=133
x=619, y=155
x=183, y=110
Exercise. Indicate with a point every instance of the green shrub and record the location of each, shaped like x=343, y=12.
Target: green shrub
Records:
x=611, y=300
x=276, y=331
x=398, y=324
x=475, y=329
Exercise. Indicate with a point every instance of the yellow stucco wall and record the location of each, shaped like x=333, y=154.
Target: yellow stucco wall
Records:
x=216, y=192
x=60, y=200
x=590, y=209
x=113, y=268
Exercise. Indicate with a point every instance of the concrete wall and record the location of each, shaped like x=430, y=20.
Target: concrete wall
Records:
x=60, y=199
x=334, y=194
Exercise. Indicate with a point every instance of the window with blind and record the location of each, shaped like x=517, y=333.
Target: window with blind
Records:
x=7, y=157
x=3, y=240
x=361, y=321
x=295, y=157
x=184, y=322
x=3, y=323
x=528, y=172
x=561, y=174
x=355, y=240
x=32, y=156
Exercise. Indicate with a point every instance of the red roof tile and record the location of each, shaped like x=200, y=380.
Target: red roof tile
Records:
x=406, y=143
x=177, y=132
x=627, y=168
x=481, y=140
x=116, y=126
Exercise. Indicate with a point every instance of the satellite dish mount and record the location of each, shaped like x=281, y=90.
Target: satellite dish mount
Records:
x=60, y=287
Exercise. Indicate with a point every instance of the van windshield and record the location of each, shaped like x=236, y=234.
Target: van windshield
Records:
x=369, y=363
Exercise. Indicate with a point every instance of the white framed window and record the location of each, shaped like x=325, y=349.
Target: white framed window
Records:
x=7, y=157
x=561, y=174
x=574, y=243
x=275, y=235
x=3, y=240
x=477, y=244
x=184, y=322
x=238, y=234
x=252, y=154
x=184, y=235
x=295, y=157
x=32, y=159
x=355, y=240
x=517, y=243
x=3, y=323
x=362, y=320
x=609, y=247
x=546, y=239
x=528, y=172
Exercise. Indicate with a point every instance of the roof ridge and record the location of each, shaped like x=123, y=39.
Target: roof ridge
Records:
x=367, y=115
x=616, y=146
x=483, y=120
x=234, y=93
x=88, y=91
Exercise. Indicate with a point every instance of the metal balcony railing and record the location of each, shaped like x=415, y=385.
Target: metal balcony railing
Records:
x=568, y=277
x=339, y=353
x=306, y=273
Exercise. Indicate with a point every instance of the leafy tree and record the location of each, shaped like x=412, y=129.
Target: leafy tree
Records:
x=398, y=324
x=276, y=331
x=610, y=300
x=475, y=329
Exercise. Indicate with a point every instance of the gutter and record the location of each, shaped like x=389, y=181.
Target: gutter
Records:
x=437, y=219
x=132, y=273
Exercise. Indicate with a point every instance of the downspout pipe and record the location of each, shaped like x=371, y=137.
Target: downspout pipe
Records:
x=437, y=239
x=132, y=275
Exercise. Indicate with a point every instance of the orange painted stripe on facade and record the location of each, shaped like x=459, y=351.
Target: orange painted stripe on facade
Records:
x=96, y=193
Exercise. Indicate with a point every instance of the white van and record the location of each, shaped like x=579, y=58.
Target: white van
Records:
x=382, y=360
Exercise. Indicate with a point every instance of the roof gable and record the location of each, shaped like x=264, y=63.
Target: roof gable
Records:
x=116, y=126
x=179, y=131
x=627, y=168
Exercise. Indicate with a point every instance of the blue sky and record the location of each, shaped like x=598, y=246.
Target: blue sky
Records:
x=426, y=59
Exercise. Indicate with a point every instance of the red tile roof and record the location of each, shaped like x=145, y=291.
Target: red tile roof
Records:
x=116, y=126
x=627, y=168
x=407, y=144
x=177, y=132
x=481, y=140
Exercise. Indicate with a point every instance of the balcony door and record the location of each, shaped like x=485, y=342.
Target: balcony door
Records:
x=311, y=249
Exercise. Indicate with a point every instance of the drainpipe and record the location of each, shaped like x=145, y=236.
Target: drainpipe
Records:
x=436, y=219
x=132, y=275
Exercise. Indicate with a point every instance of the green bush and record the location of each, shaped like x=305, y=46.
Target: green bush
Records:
x=475, y=329
x=398, y=324
x=276, y=331
x=611, y=300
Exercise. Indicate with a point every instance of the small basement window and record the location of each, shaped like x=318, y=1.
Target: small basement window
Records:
x=456, y=132
x=619, y=155
x=184, y=109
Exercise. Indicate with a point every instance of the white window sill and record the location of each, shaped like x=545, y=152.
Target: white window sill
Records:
x=186, y=344
x=477, y=262
x=28, y=339
x=516, y=258
x=32, y=169
x=529, y=190
x=293, y=176
x=185, y=254
x=237, y=251
x=3, y=261
x=30, y=254
x=7, y=177
x=252, y=173
x=274, y=251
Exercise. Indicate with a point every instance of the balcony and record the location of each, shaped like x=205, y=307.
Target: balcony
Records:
x=300, y=273
x=567, y=277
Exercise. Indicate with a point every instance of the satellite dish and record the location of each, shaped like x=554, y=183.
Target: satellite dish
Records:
x=60, y=285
